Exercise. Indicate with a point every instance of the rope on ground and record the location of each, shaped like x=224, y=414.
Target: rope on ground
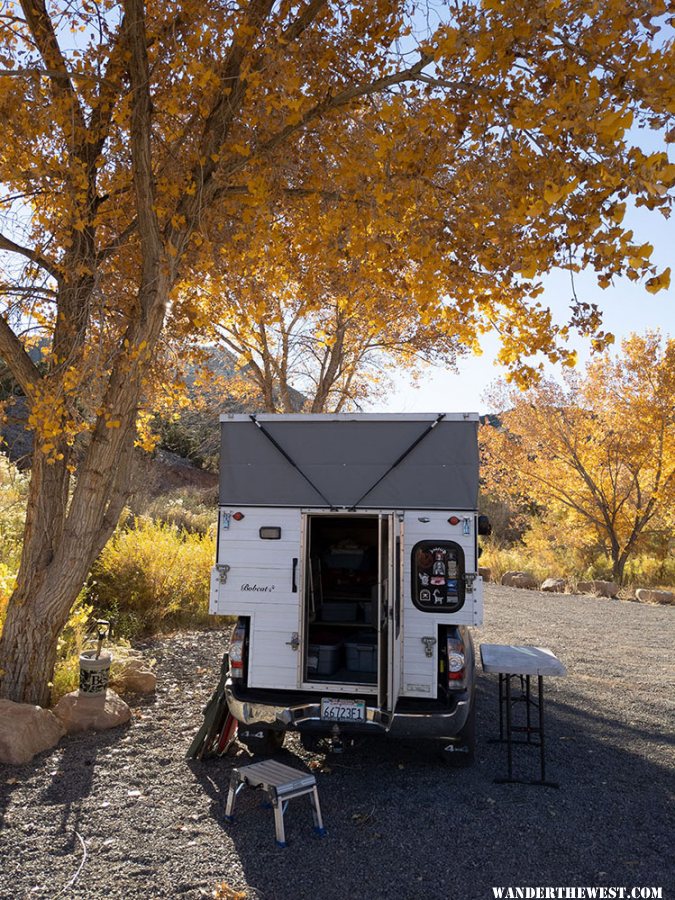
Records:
x=77, y=874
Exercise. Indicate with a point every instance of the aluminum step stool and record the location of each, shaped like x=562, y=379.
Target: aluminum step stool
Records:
x=281, y=784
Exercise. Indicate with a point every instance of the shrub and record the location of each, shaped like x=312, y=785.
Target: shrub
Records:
x=13, y=496
x=153, y=576
x=189, y=510
x=72, y=641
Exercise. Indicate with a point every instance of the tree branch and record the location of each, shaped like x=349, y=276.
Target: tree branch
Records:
x=152, y=247
x=304, y=20
x=19, y=362
x=33, y=255
x=42, y=29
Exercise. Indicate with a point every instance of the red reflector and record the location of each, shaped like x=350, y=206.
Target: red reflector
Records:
x=456, y=676
x=453, y=520
x=238, y=516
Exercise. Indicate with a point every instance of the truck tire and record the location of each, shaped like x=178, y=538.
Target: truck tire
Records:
x=462, y=751
x=261, y=741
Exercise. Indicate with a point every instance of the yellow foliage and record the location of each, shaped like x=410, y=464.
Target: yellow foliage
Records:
x=153, y=575
x=659, y=282
x=598, y=453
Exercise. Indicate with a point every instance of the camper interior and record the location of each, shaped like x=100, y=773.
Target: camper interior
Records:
x=346, y=572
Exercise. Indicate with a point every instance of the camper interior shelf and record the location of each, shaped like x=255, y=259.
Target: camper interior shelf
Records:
x=342, y=598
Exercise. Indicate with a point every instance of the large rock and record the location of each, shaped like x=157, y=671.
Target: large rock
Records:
x=649, y=596
x=485, y=573
x=520, y=580
x=136, y=677
x=79, y=712
x=554, y=585
x=601, y=588
x=26, y=730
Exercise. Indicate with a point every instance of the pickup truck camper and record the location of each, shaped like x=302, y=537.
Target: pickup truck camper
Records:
x=347, y=549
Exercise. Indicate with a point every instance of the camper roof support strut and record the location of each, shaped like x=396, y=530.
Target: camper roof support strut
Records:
x=285, y=455
x=400, y=459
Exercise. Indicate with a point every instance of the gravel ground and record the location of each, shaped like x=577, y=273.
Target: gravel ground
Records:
x=401, y=825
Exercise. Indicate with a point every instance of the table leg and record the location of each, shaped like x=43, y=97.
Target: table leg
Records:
x=509, y=748
x=541, y=728
x=528, y=700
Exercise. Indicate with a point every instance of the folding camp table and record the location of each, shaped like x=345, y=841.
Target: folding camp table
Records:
x=522, y=662
x=281, y=783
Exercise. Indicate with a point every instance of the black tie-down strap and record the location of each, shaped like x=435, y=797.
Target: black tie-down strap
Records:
x=400, y=459
x=285, y=455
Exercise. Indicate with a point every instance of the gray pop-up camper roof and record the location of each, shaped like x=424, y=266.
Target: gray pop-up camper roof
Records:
x=367, y=461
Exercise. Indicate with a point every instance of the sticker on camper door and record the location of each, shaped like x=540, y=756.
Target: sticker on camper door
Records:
x=437, y=572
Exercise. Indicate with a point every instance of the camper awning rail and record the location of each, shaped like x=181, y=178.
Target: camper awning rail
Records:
x=350, y=417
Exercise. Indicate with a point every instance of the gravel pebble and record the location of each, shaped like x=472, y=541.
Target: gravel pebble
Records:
x=401, y=824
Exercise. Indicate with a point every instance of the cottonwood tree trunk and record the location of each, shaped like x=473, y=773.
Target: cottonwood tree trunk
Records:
x=61, y=542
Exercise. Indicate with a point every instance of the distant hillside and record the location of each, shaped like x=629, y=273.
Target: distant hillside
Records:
x=192, y=442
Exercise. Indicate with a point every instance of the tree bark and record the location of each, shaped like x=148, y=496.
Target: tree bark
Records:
x=59, y=551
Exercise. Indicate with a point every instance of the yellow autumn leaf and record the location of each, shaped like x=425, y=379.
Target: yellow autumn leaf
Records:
x=659, y=282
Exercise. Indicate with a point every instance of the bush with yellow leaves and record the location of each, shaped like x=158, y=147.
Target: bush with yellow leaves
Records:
x=13, y=494
x=153, y=576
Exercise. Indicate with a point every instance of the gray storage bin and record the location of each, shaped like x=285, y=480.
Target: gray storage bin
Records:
x=368, y=610
x=362, y=653
x=343, y=611
x=324, y=658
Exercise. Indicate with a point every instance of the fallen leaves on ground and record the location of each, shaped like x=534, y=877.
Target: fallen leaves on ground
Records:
x=223, y=891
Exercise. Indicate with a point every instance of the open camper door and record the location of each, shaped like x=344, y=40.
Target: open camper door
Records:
x=258, y=576
x=389, y=613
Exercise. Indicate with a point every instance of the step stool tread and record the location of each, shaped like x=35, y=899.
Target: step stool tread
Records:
x=274, y=774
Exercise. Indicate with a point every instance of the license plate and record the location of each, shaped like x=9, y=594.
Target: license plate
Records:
x=343, y=710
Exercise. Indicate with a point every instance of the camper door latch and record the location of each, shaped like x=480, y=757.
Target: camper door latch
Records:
x=294, y=641
x=469, y=578
x=222, y=572
x=428, y=645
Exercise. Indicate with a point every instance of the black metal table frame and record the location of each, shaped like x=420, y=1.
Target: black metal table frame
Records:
x=505, y=703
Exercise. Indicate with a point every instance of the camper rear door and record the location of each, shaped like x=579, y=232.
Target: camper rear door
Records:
x=263, y=583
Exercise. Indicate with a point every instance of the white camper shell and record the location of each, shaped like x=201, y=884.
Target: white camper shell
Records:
x=347, y=548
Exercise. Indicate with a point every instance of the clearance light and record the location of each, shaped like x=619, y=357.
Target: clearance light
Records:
x=453, y=520
x=238, y=516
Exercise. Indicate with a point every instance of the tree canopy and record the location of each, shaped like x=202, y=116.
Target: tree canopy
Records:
x=599, y=449
x=445, y=153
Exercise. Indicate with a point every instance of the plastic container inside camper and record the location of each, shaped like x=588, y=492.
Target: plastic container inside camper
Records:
x=325, y=654
x=339, y=611
x=362, y=653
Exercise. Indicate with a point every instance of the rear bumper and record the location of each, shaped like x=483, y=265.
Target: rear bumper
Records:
x=445, y=723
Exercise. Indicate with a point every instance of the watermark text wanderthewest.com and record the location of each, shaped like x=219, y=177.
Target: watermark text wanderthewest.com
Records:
x=577, y=893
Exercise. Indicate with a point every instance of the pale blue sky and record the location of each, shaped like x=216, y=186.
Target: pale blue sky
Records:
x=626, y=306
